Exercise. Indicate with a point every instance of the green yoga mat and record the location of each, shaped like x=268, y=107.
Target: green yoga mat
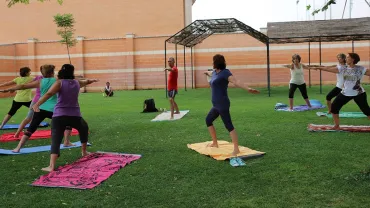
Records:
x=344, y=115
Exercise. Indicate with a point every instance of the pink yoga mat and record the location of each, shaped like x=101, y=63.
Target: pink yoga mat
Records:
x=87, y=172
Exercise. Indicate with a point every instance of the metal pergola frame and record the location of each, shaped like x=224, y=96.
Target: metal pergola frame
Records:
x=199, y=30
x=277, y=33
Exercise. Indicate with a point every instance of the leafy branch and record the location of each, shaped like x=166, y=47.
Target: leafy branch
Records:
x=13, y=2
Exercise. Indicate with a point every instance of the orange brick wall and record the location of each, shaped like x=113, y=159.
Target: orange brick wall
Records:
x=138, y=62
x=94, y=18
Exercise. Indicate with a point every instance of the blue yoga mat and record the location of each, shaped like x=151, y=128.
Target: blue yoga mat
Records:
x=16, y=126
x=37, y=149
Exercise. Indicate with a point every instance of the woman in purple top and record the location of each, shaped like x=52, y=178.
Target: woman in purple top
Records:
x=66, y=111
x=220, y=100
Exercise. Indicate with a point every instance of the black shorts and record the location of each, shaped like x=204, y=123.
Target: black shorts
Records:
x=172, y=93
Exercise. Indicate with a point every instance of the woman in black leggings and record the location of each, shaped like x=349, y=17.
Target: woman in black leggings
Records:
x=220, y=100
x=352, y=88
x=297, y=80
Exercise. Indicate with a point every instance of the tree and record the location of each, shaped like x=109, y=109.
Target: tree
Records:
x=12, y=2
x=65, y=23
x=326, y=6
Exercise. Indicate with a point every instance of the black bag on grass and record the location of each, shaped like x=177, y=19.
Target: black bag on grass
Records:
x=149, y=106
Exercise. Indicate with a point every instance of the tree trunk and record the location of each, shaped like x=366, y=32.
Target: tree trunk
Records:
x=69, y=57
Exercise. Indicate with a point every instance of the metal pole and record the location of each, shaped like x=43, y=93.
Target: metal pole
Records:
x=165, y=65
x=320, y=70
x=353, y=46
x=268, y=66
x=309, y=63
x=176, y=53
x=192, y=68
x=185, y=66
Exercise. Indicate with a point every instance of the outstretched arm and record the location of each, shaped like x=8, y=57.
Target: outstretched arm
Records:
x=289, y=66
x=84, y=82
x=34, y=84
x=241, y=85
x=332, y=69
x=305, y=66
x=52, y=91
x=8, y=83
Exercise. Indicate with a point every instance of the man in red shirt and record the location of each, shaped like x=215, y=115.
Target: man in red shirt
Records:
x=172, y=85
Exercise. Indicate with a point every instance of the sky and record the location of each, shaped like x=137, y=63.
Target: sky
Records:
x=256, y=13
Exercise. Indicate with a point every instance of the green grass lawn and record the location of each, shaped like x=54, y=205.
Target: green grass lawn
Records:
x=300, y=169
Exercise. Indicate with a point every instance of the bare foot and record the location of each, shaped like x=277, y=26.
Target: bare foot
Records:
x=48, y=169
x=68, y=144
x=235, y=152
x=177, y=113
x=16, y=150
x=213, y=145
x=336, y=127
x=85, y=153
x=291, y=109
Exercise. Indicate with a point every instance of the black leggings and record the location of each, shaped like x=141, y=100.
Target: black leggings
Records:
x=37, y=118
x=333, y=93
x=59, y=124
x=16, y=106
x=302, y=88
x=225, y=116
x=341, y=100
x=107, y=93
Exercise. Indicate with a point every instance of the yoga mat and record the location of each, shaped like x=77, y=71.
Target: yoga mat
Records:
x=87, y=172
x=29, y=150
x=343, y=115
x=223, y=151
x=39, y=134
x=316, y=104
x=343, y=128
x=299, y=108
x=165, y=116
x=16, y=126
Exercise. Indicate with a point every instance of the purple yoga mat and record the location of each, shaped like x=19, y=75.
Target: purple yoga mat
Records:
x=300, y=108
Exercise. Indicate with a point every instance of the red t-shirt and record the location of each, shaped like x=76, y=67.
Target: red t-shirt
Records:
x=172, y=79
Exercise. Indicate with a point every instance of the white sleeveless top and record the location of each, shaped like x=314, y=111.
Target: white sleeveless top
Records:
x=340, y=80
x=297, y=76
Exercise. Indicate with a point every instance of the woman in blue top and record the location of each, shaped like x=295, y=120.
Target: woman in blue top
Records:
x=220, y=100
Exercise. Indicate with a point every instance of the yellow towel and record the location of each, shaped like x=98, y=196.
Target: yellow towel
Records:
x=223, y=151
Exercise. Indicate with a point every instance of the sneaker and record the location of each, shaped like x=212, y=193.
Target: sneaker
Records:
x=234, y=162
x=240, y=161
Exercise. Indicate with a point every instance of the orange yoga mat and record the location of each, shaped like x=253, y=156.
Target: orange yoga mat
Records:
x=223, y=151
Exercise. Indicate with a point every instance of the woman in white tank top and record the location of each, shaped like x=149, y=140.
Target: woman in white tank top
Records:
x=338, y=87
x=297, y=80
